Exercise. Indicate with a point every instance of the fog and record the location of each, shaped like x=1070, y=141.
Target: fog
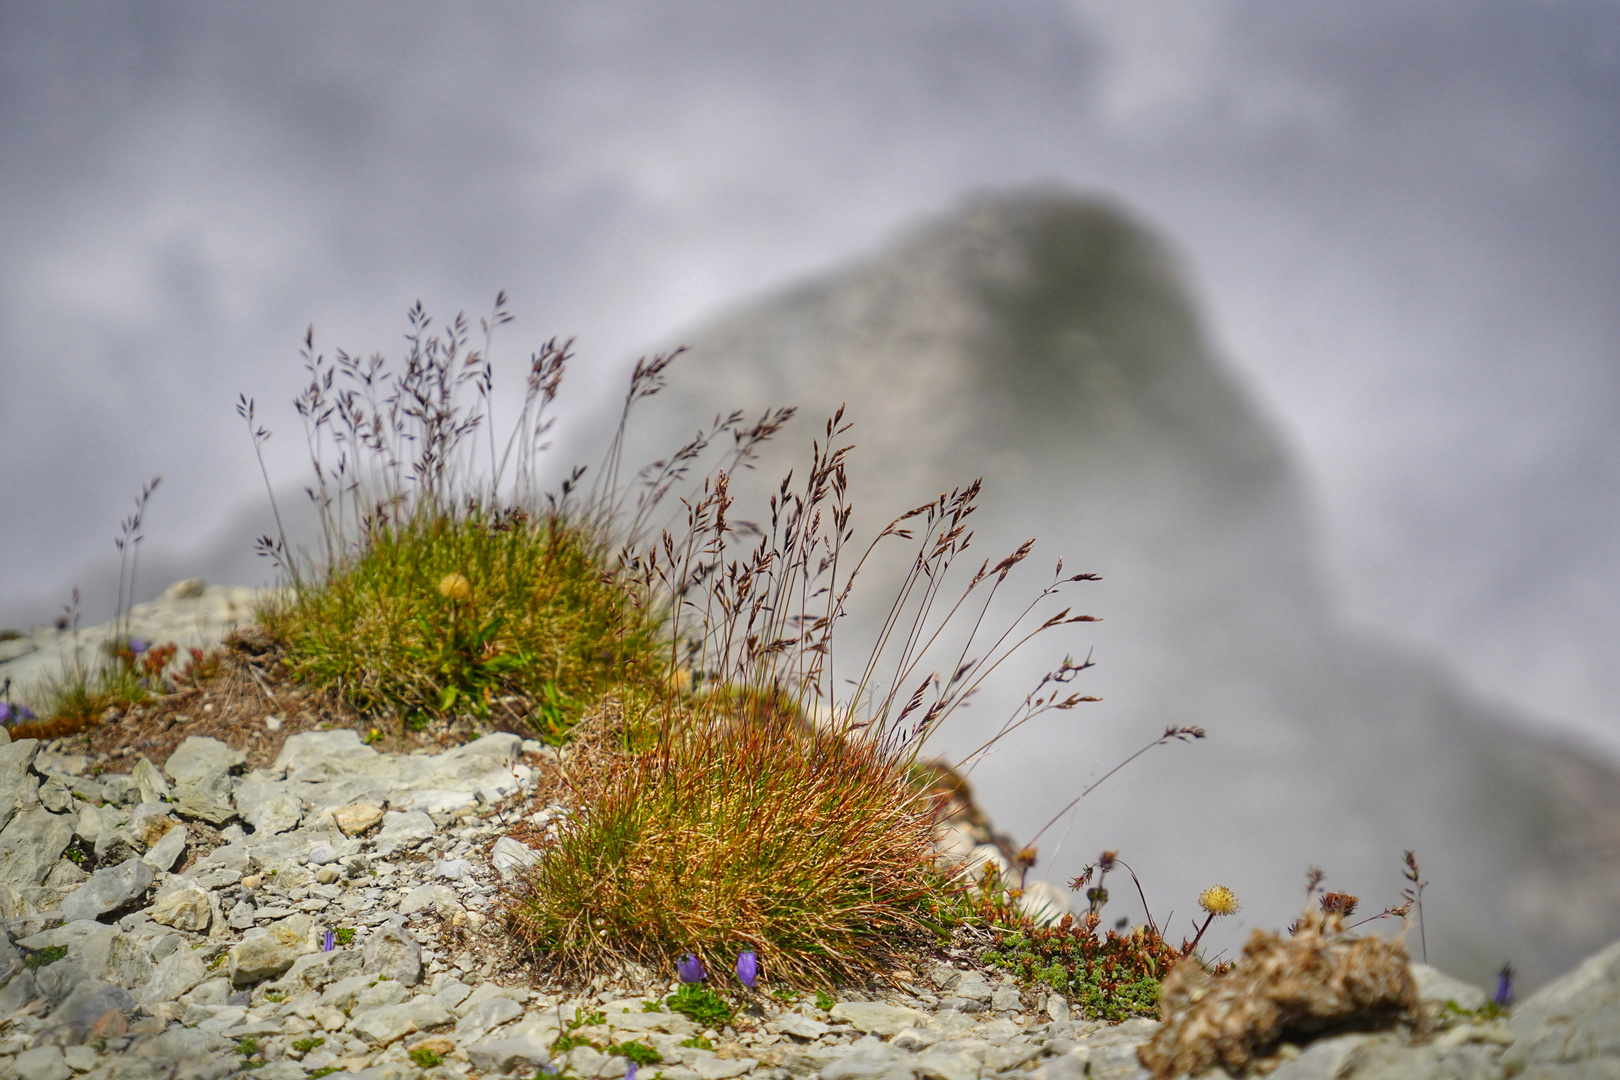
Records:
x=1396, y=224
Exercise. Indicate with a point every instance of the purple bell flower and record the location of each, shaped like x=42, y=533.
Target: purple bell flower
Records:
x=690, y=969
x=331, y=941
x=748, y=968
x=25, y=712
x=5, y=713
x=630, y=1071
x=137, y=646
x=1504, y=987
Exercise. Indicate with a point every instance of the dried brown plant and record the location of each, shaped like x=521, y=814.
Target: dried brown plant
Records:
x=1293, y=989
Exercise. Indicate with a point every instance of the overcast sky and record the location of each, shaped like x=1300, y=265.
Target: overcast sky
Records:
x=1400, y=219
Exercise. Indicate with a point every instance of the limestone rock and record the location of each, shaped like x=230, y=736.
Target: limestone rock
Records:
x=487, y=1014
x=91, y=822
x=356, y=819
x=88, y=1005
x=198, y=805
x=266, y=805
x=108, y=890
x=162, y=855
x=65, y=875
x=1434, y=985
x=55, y=796
x=270, y=951
x=1571, y=1026
x=878, y=1061
x=801, y=1026
x=43, y=1063
x=388, y=1023
x=19, y=789
x=174, y=975
x=315, y=756
x=317, y=971
x=522, y=1053
x=185, y=908
x=402, y=830
x=393, y=953
x=149, y=781
x=200, y=760
x=875, y=1018
x=508, y=856
x=31, y=843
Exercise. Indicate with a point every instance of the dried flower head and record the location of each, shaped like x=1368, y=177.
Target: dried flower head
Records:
x=455, y=587
x=1338, y=903
x=1025, y=857
x=1219, y=900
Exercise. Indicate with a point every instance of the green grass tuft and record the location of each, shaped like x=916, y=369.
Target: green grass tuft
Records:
x=540, y=621
x=700, y=1005
x=424, y=1058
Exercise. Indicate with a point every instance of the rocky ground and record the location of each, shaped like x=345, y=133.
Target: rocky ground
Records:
x=190, y=613
x=198, y=947
x=307, y=905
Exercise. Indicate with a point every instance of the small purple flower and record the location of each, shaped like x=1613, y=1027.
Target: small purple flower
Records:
x=547, y=1069
x=331, y=941
x=137, y=646
x=748, y=968
x=5, y=713
x=1504, y=987
x=25, y=712
x=690, y=969
x=630, y=1071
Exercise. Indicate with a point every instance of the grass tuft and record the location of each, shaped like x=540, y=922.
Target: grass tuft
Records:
x=532, y=621
x=807, y=848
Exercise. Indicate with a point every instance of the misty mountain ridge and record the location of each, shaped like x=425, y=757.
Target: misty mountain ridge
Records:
x=1049, y=344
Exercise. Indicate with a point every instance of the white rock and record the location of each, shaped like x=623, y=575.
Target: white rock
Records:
x=185, y=908
x=267, y=806
x=801, y=1026
x=199, y=759
x=453, y=869
x=391, y=1022
x=1436, y=986
x=876, y=1018
x=315, y=756
x=175, y=974
x=504, y=1055
x=509, y=855
x=162, y=855
x=108, y=890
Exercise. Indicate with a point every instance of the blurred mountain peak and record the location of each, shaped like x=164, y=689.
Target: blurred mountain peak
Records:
x=1049, y=343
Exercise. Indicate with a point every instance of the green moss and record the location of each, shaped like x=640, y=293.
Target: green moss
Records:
x=45, y=957
x=1111, y=976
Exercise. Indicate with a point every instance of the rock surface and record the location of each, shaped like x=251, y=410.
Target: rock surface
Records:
x=218, y=965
